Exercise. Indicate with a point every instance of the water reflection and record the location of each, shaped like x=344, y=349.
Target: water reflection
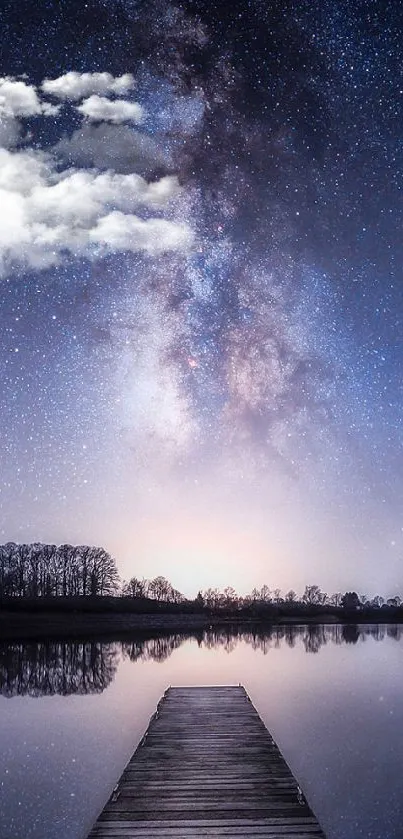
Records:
x=153, y=649
x=88, y=667
x=48, y=668
x=313, y=636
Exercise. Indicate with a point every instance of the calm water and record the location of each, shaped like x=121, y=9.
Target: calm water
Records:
x=71, y=715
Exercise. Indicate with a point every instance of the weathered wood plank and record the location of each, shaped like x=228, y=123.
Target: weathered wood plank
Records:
x=281, y=830
x=273, y=823
x=208, y=767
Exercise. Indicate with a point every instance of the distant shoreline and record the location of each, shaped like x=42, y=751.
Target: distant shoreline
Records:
x=41, y=625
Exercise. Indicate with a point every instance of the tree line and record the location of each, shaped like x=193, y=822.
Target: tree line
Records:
x=313, y=596
x=158, y=588
x=39, y=570
x=215, y=599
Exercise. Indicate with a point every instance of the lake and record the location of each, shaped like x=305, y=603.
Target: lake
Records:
x=72, y=713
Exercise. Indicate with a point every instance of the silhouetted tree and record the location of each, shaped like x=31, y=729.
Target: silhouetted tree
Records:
x=158, y=588
x=36, y=570
x=211, y=597
x=199, y=601
x=350, y=600
x=230, y=597
x=313, y=596
x=335, y=599
x=265, y=594
x=377, y=601
x=394, y=602
x=134, y=588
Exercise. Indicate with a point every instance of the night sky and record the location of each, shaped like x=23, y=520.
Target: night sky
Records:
x=201, y=288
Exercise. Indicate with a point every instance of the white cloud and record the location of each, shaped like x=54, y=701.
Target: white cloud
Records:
x=74, y=86
x=49, y=213
x=22, y=171
x=19, y=99
x=46, y=214
x=120, y=232
x=50, y=110
x=99, y=109
x=163, y=190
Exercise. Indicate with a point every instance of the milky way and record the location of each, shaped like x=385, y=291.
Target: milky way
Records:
x=200, y=257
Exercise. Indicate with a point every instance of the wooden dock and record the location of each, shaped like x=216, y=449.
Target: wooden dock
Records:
x=207, y=767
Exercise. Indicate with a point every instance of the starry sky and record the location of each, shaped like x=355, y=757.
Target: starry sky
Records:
x=201, y=287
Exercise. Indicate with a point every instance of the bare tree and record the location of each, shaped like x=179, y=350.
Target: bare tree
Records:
x=36, y=570
x=134, y=588
x=158, y=588
x=265, y=594
x=313, y=596
x=230, y=597
x=211, y=597
x=335, y=599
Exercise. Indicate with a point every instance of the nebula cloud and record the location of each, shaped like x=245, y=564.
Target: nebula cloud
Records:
x=199, y=244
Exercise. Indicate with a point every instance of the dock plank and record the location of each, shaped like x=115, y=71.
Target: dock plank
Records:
x=207, y=767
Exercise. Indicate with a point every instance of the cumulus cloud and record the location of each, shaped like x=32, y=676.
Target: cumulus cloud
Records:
x=120, y=232
x=19, y=99
x=73, y=86
x=117, y=147
x=50, y=210
x=99, y=109
x=46, y=214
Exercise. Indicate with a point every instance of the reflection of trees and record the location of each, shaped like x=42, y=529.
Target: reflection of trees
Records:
x=312, y=636
x=376, y=631
x=263, y=639
x=351, y=633
x=80, y=667
x=394, y=631
x=153, y=649
x=47, y=668
x=224, y=637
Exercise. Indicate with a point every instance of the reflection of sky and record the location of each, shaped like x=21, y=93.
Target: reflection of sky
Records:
x=337, y=716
